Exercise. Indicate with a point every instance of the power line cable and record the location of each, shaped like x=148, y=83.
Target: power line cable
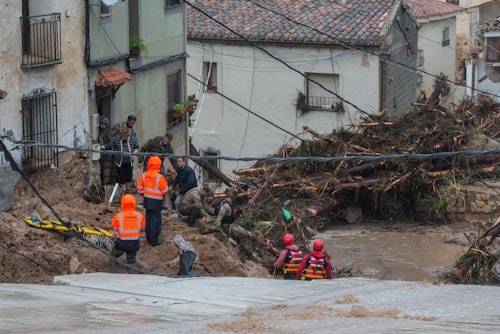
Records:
x=354, y=47
x=347, y=45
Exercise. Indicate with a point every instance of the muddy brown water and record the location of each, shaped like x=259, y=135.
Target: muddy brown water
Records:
x=414, y=254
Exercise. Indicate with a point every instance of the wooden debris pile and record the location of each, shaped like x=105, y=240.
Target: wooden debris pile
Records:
x=373, y=189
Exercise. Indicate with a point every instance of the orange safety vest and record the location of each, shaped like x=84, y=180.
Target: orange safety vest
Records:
x=130, y=225
x=150, y=187
x=315, y=268
x=292, y=261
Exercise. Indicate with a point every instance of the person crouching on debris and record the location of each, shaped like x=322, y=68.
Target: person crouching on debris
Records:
x=315, y=265
x=153, y=187
x=128, y=225
x=194, y=205
x=223, y=208
x=289, y=258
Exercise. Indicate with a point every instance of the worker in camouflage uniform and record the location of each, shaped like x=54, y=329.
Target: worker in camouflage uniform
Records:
x=160, y=144
x=194, y=205
x=225, y=222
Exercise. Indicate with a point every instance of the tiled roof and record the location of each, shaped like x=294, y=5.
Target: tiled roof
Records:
x=362, y=22
x=426, y=9
x=112, y=76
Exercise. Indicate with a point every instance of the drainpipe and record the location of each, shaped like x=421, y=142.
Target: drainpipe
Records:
x=87, y=32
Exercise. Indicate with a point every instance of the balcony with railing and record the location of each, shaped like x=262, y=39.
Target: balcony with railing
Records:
x=321, y=103
x=41, y=40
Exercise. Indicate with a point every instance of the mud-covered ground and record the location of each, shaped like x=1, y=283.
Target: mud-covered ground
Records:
x=32, y=255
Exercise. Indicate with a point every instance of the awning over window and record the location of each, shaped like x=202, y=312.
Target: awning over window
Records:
x=113, y=77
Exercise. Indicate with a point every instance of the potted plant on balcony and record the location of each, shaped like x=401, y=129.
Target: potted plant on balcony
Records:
x=136, y=45
x=186, y=107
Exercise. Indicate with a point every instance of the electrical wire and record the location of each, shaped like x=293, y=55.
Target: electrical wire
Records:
x=347, y=45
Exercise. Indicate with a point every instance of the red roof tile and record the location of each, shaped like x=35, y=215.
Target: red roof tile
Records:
x=112, y=77
x=425, y=9
x=363, y=22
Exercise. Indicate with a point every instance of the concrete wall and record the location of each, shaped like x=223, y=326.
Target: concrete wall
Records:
x=437, y=58
x=269, y=89
x=69, y=79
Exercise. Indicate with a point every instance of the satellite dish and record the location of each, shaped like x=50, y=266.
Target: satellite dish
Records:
x=109, y=2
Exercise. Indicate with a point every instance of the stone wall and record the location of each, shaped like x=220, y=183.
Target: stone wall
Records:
x=479, y=201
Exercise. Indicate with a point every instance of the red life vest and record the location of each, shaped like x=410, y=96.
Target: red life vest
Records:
x=292, y=261
x=315, y=268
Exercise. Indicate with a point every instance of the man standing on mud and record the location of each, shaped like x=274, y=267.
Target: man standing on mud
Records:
x=153, y=187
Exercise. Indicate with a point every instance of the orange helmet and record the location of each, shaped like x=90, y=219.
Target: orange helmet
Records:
x=288, y=239
x=318, y=245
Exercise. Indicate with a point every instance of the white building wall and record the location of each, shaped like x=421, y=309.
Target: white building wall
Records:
x=269, y=89
x=437, y=58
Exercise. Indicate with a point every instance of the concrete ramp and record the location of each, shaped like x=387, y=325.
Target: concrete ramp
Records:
x=122, y=303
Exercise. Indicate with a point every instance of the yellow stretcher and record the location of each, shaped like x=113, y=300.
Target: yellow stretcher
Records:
x=58, y=226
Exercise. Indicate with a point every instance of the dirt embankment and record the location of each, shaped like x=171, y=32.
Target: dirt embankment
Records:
x=32, y=255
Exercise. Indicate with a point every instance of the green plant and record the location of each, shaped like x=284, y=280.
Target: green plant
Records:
x=188, y=106
x=135, y=41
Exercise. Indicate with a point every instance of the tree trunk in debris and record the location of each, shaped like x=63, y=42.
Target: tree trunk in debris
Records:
x=264, y=244
x=211, y=168
x=469, y=259
x=265, y=185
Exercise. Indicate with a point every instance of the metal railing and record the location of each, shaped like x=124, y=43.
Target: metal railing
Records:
x=39, y=118
x=322, y=103
x=41, y=40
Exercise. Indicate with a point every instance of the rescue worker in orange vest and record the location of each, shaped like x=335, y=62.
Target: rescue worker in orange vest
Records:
x=289, y=258
x=128, y=225
x=315, y=265
x=153, y=187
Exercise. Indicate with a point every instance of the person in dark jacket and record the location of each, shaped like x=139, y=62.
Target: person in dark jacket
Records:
x=315, y=265
x=184, y=181
x=289, y=258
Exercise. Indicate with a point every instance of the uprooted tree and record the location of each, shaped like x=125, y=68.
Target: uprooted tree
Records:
x=477, y=265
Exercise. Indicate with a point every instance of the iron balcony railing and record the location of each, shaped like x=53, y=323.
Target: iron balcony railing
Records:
x=322, y=103
x=41, y=40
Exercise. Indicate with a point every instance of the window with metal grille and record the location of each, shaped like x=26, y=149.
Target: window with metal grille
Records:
x=210, y=76
x=39, y=118
x=420, y=58
x=446, y=36
x=317, y=97
x=211, y=152
x=41, y=40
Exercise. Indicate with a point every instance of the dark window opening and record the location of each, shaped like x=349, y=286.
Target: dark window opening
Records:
x=174, y=95
x=39, y=120
x=446, y=36
x=492, y=47
x=211, y=152
x=210, y=76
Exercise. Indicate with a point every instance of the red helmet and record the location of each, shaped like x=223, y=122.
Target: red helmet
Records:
x=288, y=239
x=318, y=245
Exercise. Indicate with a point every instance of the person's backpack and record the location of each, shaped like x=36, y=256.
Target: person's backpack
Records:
x=217, y=204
